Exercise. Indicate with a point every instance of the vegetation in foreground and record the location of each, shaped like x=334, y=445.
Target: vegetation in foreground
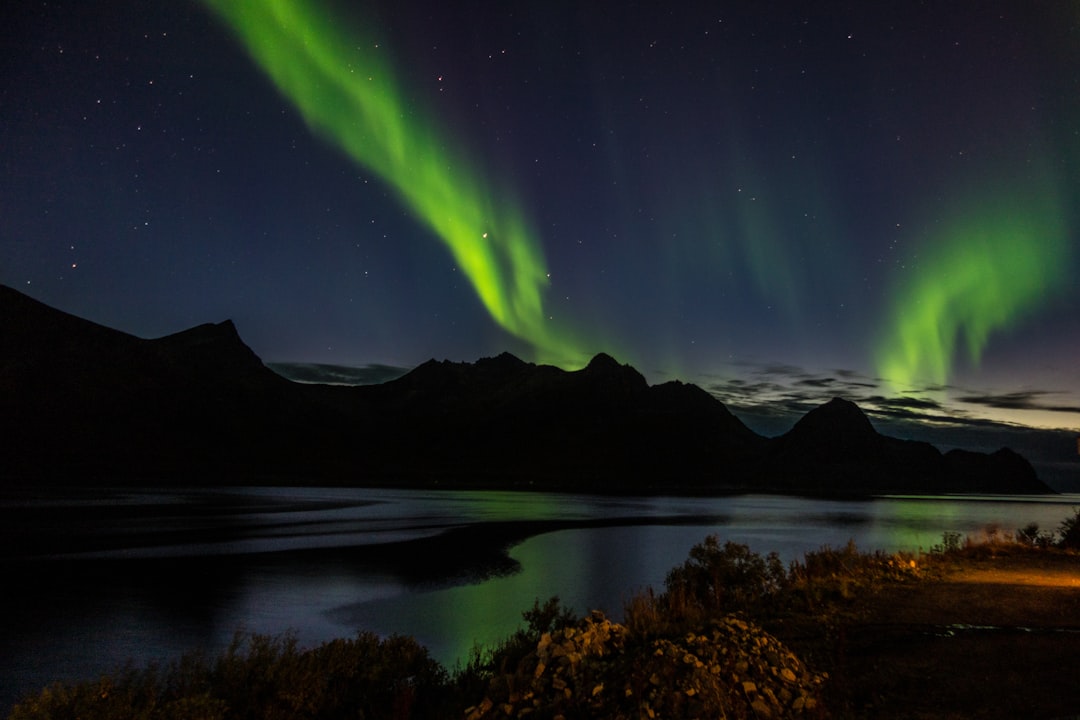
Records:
x=709, y=645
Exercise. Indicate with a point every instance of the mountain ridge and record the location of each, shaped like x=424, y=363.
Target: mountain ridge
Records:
x=86, y=403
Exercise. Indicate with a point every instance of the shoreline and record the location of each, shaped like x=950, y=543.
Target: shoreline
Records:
x=458, y=553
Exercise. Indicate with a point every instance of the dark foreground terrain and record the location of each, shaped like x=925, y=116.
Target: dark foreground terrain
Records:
x=997, y=636
x=987, y=629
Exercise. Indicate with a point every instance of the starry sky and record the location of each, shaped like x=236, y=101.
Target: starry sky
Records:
x=779, y=201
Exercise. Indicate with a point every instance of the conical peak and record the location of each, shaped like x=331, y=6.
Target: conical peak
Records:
x=838, y=416
x=603, y=361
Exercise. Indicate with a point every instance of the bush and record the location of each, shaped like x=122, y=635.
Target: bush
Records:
x=993, y=541
x=1032, y=536
x=1070, y=531
x=832, y=575
x=264, y=677
x=541, y=619
x=599, y=669
x=951, y=541
x=150, y=693
x=728, y=578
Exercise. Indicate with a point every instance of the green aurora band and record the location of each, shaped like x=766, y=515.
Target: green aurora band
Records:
x=984, y=272
x=346, y=92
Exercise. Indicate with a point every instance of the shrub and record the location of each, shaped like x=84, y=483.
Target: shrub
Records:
x=541, y=619
x=831, y=575
x=728, y=577
x=950, y=542
x=1070, y=531
x=1031, y=535
x=264, y=677
x=729, y=668
x=267, y=677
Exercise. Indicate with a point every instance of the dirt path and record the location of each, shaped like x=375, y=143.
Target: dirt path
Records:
x=997, y=638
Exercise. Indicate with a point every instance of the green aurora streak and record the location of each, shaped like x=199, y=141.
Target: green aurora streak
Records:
x=346, y=91
x=984, y=272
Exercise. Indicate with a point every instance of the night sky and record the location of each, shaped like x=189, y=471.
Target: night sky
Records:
x=779, y=201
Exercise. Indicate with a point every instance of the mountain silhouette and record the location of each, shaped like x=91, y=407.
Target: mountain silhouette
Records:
x=82, y=403
x=835, y=448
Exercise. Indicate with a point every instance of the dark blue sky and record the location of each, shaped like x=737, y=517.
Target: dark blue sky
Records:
x=869, y=199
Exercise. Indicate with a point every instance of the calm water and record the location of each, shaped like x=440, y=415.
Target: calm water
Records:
x=144, y=576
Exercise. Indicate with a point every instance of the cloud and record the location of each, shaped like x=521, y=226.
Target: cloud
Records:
x=907, y=402
x=337, y=374
x=1020, y=400
x=818, y=382
x=781, y=370
x=771, y=398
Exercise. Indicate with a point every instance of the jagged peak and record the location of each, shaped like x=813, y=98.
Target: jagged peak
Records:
x=503, y=360
x=428, y=370
x=206, y=333
x=210, y=345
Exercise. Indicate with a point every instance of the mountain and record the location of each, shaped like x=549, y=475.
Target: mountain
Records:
x=81, y=399
x=835, y=449
x=502, y=420
x=81, y=403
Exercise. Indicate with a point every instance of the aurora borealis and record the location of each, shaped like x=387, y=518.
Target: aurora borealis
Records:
x=347, y=92
x=780, y=204
x=981, y=274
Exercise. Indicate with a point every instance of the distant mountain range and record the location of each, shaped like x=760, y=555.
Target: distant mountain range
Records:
x=81, y=403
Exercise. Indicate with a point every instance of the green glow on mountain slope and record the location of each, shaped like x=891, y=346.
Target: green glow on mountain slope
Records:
x=344, y=86
x=985, y=272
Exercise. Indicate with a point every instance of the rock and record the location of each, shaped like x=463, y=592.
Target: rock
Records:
x=733, y=668
x=761, y=709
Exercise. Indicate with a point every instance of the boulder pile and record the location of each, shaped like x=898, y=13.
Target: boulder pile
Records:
x=598, y=669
